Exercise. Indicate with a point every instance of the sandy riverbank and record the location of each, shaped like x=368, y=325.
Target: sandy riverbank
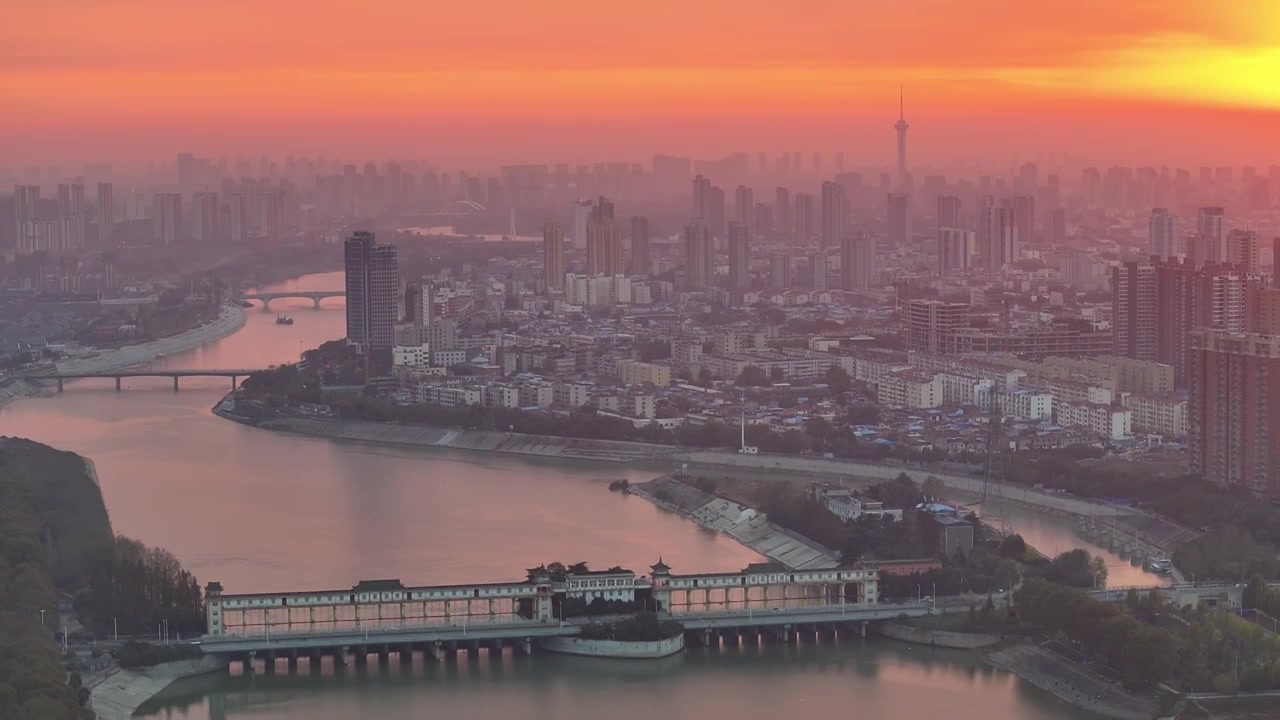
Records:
x=230, y=319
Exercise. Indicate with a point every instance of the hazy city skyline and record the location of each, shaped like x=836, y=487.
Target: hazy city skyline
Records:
x=513, y=83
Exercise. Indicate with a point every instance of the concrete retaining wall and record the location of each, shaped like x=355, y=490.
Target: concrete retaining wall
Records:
x=119, y=696
x=935, y=638
x=613, y=648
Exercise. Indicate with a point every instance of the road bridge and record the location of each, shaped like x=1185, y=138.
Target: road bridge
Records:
x=315, y=296
x=118, y=375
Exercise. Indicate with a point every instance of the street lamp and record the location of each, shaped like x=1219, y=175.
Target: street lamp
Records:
x=42, y=618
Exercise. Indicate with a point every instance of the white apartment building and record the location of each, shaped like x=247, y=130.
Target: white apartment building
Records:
x=501, y=396
x=1164, y=415
x=415, y=356
x=909, y=389
x=1108, y=422
x=449, y=396
x=572, y=394
x=1027, y=405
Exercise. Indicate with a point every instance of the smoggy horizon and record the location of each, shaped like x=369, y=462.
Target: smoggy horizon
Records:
x=1177, y=82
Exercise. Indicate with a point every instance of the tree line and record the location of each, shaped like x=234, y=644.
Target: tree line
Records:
x=33, y=682
x=1148, y=641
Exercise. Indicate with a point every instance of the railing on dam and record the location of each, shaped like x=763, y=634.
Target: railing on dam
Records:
x=465, y=631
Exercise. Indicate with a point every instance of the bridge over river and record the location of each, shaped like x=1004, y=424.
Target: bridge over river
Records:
x=60, y=377
x=315, y=296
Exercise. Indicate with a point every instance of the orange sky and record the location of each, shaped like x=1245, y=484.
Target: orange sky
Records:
x=544, y=78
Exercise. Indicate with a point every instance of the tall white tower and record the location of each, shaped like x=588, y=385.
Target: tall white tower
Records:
x=901, y=126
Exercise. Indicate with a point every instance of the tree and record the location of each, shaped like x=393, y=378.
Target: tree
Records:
x=863, y=414
x=1013, y=546
x=1255, y=593
x=1099, y=567
x=931, y=488
x=837, y=380
x=705, y=378
x=751, y=376
x=776, y=374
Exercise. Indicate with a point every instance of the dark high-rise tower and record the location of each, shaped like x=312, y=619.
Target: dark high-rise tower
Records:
x=739, y=256
x=553, y=256
x=832, y=214
x=899, y=217
x=901, y=127
x=373, y=282
x=804, y=218
x=697, y=254
x=641, y=262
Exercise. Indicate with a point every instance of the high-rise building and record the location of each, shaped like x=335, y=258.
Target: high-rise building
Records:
x=1157, y=305
x=698, y=261
x=1135, y=304
x=106, y=211
x=70, y=199
x=237, y=218
x=1058, y=227
x=1024, y=219
x=372, y=284
x=71, y=217
x=739, y=256
x=899, y=221
x=1233, y=408
x=1162, y=234
x=901, y=128
x=641, y=260
x=166, y=218
x=581, y=214
x=832, y=214
x=857, y=262
x=1244, y=251
x=782, y=212
x=186, y=167
x=948, y=211
x=701, y=190
x=804, y=219
x=955, y=248
x=744, y=204
x=26, y=218
x=204, y=217
x=762, y=222
x=553, y=256
x=715, y=211
x=1211, y=236
x=604, y=245
x=271, y=215
x=818, y=270
x=779, y=270
x=931, y=325
x=997, y=242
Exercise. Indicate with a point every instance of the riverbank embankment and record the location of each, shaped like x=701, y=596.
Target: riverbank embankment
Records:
x=119, y=696
x=1157, y=534
x=935, y=638
x=748, y=526
x=230, y=319
x=1071, y=682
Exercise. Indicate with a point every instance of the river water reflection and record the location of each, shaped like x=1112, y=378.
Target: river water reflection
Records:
x=263, y=511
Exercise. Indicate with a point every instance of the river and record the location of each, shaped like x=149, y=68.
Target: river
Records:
x=261, y=511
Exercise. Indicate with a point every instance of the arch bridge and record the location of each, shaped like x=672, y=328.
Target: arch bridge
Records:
x=315, y=296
